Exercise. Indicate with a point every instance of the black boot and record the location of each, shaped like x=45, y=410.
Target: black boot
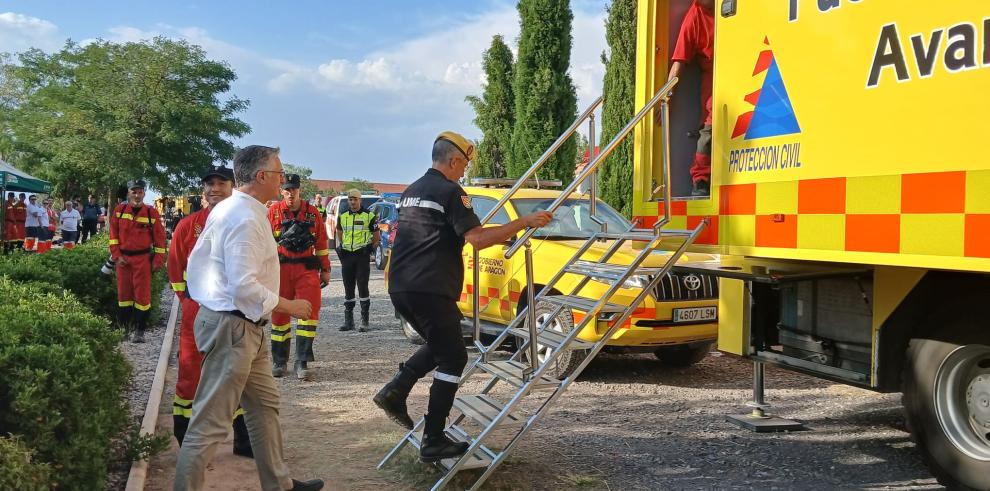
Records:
x=140, y=324
x=348, y=317
x=125, y=316
x=392, y=397
x=438, y=447
x=365, y=305
x=242, y=441
x=311, y=485
x=281, y=343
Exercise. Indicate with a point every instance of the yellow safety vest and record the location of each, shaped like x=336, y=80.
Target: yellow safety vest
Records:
x=357, y=229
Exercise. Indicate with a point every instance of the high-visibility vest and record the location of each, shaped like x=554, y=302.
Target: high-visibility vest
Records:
x=357, y=229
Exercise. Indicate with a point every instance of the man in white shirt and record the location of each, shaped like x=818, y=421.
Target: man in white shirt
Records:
x=233, y=273
x=70, y=225
x=33, y=224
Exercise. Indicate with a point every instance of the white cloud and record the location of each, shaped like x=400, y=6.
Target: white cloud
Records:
x=19, y=32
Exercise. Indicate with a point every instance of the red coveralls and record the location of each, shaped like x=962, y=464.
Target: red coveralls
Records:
x=46, y=245
x=20, y=230
x=9, y=224
x=138, y=235
x=190, y=359
x=696, y=42
x=300, y=278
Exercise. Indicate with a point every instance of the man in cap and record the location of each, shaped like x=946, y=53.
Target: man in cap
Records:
x=425, y=280
x=218, y=184
x=137, y=246
x=357, y=236
x=304, y=260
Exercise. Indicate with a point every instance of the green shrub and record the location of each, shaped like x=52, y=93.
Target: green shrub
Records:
x=78, y=271
x=18, y=471
x=62, y=384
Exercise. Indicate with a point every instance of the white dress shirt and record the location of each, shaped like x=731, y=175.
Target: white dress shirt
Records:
x=34, y=214
x=70, y=220
x=234, y=265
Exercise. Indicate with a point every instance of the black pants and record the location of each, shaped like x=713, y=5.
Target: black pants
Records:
x=88, y=230
x=438, y=320
x=355, y=267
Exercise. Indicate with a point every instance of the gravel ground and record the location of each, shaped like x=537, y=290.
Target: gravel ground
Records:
x=628, y=423
x=143, y=359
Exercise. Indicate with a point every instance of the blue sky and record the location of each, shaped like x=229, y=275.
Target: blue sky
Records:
x=349, y=89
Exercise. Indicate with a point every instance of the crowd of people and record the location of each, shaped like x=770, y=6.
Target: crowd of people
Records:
x=35, y=227
x=248, y=259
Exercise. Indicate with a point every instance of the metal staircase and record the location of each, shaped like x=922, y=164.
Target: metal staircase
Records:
x=526, y=372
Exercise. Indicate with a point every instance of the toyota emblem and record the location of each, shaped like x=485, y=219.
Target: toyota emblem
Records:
x=692, y=282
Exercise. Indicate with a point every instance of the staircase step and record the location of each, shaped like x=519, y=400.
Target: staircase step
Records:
x=483, y=409
x=481, y=457
x=640, y=236
x=582, y=303
x=511, y=371
x=607, y=271
x=553, y=339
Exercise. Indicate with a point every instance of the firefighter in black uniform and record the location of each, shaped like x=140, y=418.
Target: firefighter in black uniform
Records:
x=425, y=279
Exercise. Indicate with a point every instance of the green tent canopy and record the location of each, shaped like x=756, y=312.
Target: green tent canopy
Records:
x=12, y=179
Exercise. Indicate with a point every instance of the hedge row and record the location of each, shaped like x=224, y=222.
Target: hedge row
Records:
x=62, y=374
x=78, y=271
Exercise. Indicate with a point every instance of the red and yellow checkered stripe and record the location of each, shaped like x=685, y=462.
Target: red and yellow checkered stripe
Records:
x=933, y=214
x=489, y=295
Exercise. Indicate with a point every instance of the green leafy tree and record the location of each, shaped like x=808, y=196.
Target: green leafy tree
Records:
x=359, y=184
x=307, y=187
x=494, y=111
x=95, y=116
x=616, y=172
x=545, y=102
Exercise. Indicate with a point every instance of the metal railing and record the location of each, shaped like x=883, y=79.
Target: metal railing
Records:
x=476, y=274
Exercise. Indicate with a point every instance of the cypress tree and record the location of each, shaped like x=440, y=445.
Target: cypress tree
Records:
x=494, y=112
x=616, y=173
x=546, y=103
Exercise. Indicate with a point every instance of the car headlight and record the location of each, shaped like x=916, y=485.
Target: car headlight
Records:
x=635, y=281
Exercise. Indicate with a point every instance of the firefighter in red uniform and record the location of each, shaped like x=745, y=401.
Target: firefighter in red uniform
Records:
x=9, y=223
x=218, y=184
x=46, y=245
x=137, y=245
x=305, y=266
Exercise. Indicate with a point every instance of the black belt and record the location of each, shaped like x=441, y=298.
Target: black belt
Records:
x=238, y=313
x=135, y=253
x=311, y=262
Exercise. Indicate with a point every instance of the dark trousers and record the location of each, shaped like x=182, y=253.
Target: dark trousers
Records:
x=88, y=230
x=438, y=320
x=355, y=267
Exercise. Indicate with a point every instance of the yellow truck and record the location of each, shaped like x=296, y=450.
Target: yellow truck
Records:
x=850, y=198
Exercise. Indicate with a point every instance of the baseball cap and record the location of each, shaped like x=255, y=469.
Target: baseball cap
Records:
x=353, y=193
x=462, y=144
x=218, y=171
x=291, y=181
x=136, y=183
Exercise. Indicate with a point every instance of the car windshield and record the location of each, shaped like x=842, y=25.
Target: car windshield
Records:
x=572, y=219
x=366, y=202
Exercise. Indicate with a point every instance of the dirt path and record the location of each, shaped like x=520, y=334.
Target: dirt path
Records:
x=627, y=424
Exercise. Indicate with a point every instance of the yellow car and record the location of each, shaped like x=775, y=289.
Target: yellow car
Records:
x=677, y=322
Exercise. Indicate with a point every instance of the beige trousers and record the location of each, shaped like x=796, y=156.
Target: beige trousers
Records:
x=236, y=369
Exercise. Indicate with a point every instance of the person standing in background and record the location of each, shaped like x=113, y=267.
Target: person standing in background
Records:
x=69, y=217
x=90, y=217
x=357, y=236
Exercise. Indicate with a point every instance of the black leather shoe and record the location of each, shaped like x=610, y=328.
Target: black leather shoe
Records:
x=437, y=448
x=311, y=485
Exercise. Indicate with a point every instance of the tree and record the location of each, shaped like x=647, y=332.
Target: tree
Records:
x=616, y=171
x=95, y=116
x=495, y=112
x=360, y=185
x=307, y=187
x=545, y=102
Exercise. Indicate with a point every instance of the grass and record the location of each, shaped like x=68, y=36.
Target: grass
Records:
x=583, y=480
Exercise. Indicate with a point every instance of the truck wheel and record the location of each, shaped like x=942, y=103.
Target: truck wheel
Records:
x=410, y=333
x=380, y=258
x=568, y=360
x=683, y=355
x=947, y=405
